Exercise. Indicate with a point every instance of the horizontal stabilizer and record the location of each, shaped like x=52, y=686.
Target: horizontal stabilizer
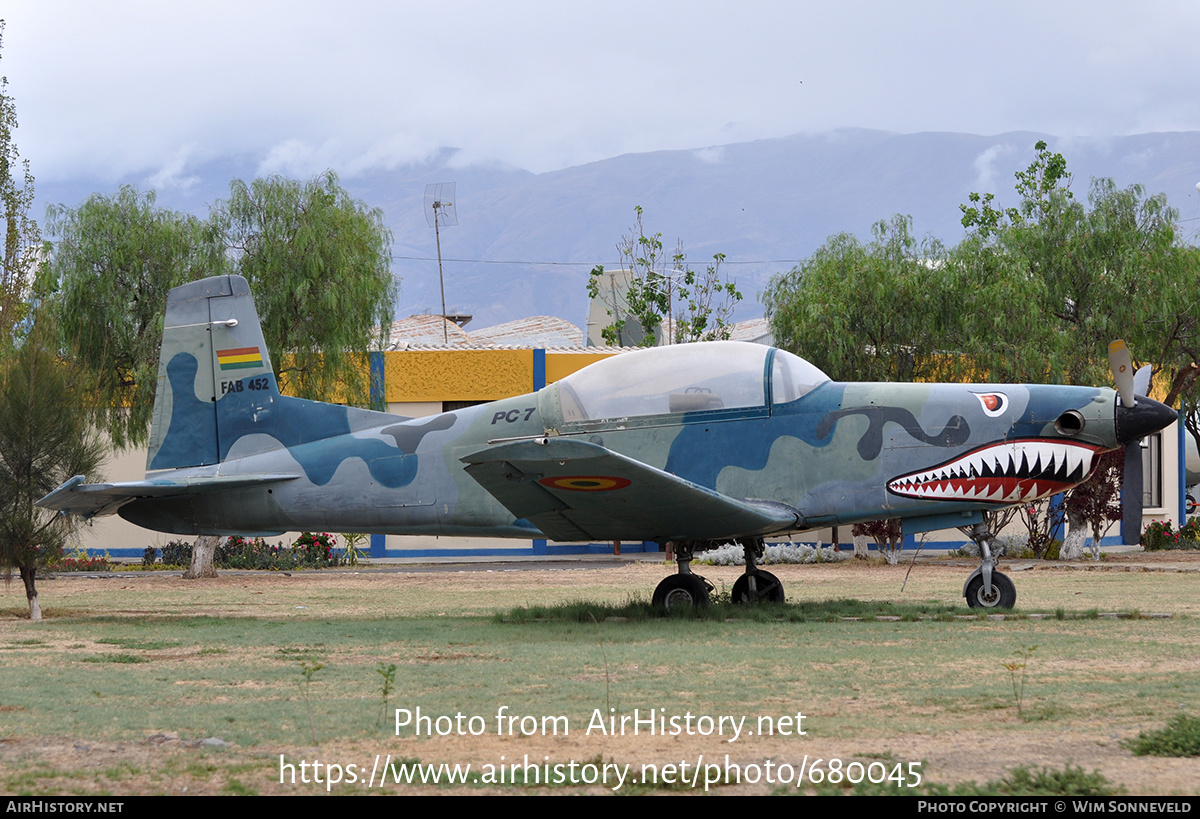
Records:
x=94, y=499
x=573, y=490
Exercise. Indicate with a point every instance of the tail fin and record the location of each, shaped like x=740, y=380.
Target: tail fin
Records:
x=215, y=381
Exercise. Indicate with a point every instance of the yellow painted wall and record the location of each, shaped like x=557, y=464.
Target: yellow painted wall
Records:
x=560, y=365
x=456, y=375
x=471, y=375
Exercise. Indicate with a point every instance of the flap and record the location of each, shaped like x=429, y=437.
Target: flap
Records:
x=573, y=490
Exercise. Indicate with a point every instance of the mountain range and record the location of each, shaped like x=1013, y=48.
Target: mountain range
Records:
x=524, y=242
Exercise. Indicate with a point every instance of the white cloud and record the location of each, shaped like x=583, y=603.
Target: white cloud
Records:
x=113, y=89
x=985, y=170
x=171, y=176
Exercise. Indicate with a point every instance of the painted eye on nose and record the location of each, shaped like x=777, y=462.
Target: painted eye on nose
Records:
x=993, y=403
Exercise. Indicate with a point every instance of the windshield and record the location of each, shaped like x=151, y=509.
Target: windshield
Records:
x=792, y=377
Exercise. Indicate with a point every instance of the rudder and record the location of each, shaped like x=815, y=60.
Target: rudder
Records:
x=214, y=374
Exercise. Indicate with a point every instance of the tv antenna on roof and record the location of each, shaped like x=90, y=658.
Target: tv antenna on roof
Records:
x=439, y=210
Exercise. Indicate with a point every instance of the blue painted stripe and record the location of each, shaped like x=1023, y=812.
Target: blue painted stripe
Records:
x=531, y=549
x=1180, y=432
x=377, y=377
x=539, y=369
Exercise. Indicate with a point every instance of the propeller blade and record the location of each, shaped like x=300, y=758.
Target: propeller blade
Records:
x=1141, y=381
x=1122, y=370
x=1131, y=495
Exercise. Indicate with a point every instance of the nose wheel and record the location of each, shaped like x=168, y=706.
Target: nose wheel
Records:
x=987, y=588
x=1002, y=594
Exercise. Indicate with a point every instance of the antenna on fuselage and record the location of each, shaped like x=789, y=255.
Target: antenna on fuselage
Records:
x=439, y=210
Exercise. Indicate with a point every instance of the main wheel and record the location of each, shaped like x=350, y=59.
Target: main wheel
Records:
x=681, y=591
x=769, y=588
x=1002, y=594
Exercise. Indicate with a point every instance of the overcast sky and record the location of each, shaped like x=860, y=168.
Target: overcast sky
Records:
x=119, y=88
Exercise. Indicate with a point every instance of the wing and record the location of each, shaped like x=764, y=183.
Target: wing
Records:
x=90, y=500
x=572, y=490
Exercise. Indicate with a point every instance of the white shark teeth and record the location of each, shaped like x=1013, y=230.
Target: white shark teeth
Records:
x=1008, y=472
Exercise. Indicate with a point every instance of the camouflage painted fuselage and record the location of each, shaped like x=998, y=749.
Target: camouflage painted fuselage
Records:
x=230, y=455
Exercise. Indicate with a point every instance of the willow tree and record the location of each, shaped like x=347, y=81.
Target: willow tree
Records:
x=319, y=263
x=22, y=240
x=115, y=260
x=865, y=311
x=1032, y=293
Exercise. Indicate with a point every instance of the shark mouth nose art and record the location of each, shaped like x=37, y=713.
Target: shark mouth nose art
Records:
x=1003, y=472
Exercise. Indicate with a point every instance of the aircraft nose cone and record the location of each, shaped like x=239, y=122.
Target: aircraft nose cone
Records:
x=1140, y=420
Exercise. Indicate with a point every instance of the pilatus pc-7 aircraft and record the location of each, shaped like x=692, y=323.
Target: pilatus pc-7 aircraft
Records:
x=698, y=444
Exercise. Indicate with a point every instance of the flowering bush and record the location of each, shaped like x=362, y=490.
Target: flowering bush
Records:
x=310, y=551
x=316, y=550
x=1160, y=535
x=732, y=555
x=81, y=564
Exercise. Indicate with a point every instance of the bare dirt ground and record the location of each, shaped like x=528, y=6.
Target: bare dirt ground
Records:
x=162, y=763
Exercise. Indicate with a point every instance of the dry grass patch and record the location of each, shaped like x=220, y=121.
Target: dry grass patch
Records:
x=223, y=658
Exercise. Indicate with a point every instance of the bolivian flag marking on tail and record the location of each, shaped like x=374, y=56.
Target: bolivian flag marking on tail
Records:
x=240, y=358
x=586, y=483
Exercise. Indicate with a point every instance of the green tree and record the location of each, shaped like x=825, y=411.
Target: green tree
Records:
x=115, y=260
x=1113, y=268
x=870, y=312
x=654, y=287
x=22, y=240
x=1032, y=293
x=45, y=439
x=319, y=263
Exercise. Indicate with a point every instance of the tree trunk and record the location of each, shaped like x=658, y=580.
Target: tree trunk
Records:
x=202, y=557
x=35, y=608
x=860, y=546
x=890, y=549
x=1073, y=543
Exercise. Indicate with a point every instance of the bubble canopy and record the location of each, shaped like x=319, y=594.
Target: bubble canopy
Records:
x=686, y=378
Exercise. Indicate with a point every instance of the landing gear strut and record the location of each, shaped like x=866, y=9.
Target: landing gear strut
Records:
x=687, y=590
x=987, y=588
x=756, y=585
x=684, y=590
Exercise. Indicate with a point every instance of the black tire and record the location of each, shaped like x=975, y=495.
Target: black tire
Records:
x=1190, y=505
x=770, y=589
x=1003, y=594
x=680, y=591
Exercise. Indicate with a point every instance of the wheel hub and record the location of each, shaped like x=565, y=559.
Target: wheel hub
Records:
x=679, y=598
x=988, y=597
